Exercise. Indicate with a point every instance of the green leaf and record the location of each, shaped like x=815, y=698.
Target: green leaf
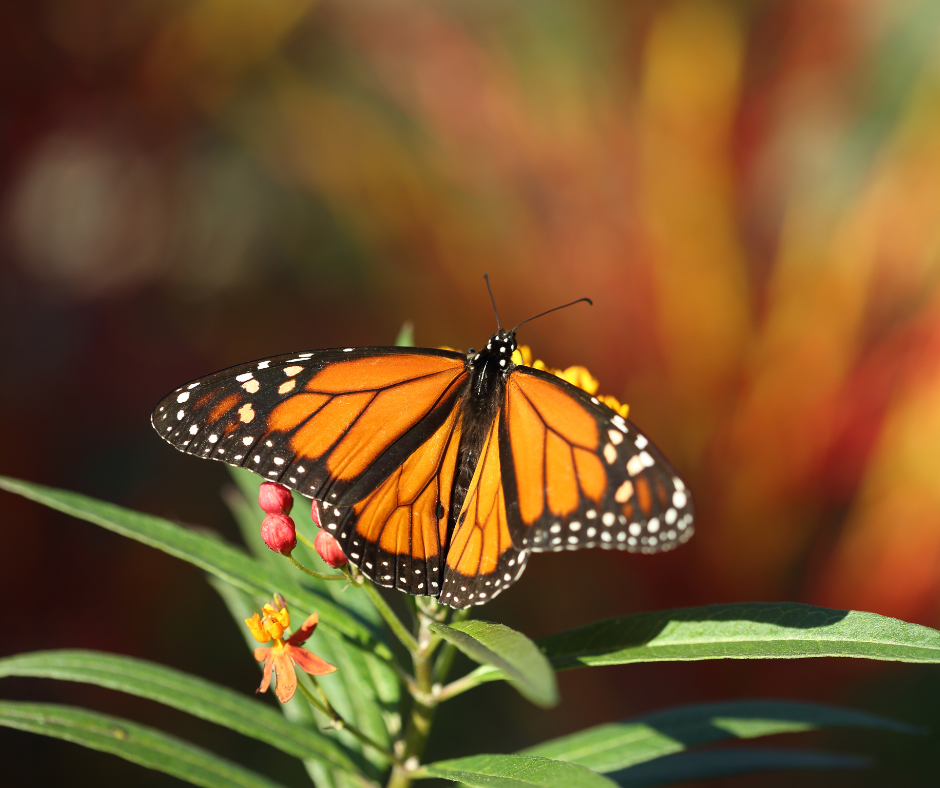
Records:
x=712, y=764
x=206, y=552
x=511, y=652
x=187, y=693
x=749, y=630
x=406, y=335
x=137, y=743
x=354, y=696
x=516, y=771
x=607, y=748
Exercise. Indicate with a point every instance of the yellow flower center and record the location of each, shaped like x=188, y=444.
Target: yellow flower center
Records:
x=270, y=626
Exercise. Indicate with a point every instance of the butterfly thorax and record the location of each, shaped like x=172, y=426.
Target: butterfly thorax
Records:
x=488, y=370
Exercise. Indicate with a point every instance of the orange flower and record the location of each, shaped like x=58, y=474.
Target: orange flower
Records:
x=284, y=654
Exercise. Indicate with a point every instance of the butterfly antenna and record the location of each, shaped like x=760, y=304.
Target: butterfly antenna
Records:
x=487, y=278
x=555, y=309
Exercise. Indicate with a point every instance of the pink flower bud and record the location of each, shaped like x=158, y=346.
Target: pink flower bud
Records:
x=275, y=498
x=329, y=550
x=279, y=533
x=315, y=512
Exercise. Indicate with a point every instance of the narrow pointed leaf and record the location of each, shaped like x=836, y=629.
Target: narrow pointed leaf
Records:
x=516, y=771
x=511, y=652
x=209, y=553
x=617, y=745
x=191, y=694
x=354, y=696
x=136, y=743
x=713, y=764
x=748, y=630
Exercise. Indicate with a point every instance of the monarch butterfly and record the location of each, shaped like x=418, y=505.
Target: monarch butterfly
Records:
x=438, y=471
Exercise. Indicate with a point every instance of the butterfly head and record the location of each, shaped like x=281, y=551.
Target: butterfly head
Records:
x=502, y=343
x=497, y=355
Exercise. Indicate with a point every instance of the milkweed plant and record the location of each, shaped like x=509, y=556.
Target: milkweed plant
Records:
x=359, y=686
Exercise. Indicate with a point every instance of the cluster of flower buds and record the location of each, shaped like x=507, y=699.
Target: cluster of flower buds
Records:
x=278, y=529
x=280, y=534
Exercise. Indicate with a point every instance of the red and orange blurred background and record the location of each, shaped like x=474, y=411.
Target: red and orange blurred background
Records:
x=749, y=191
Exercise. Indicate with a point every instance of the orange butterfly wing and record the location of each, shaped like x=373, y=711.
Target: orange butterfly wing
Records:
x=397, y=535
x=577, y=474
x=332, y=424
x=482, y=560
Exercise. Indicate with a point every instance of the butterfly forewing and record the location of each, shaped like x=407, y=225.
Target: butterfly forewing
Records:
x=580, y=475
x=331, y=424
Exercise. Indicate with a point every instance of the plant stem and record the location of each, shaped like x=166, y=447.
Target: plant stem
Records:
x=393, y=621
x=423, y=706
x=306, y=541
x=319, y=575
x=467, y=682
x=446, y=658
x=323, y=705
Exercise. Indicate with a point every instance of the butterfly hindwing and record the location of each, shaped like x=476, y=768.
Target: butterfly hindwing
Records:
x=331, y=424
x=397, y=535
x=482, y=560
x=577, y=474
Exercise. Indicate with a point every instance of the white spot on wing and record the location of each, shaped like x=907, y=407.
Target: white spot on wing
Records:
x=634, y=465
x=624, y=492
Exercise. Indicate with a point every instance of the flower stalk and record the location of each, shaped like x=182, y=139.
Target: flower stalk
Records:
x=312, y=573
x=322, y=704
